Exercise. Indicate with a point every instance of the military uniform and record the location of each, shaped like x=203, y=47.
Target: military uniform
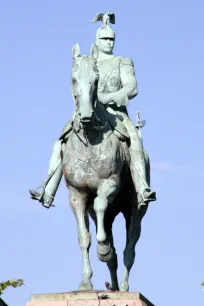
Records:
x=117, y=79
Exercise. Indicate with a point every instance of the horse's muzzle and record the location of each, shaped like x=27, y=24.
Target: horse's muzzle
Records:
x=87, y=118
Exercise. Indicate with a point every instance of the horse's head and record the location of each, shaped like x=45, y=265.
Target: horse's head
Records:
x=84, y=82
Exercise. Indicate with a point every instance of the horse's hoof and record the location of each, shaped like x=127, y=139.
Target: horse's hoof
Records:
x=115, y=286
x=124, y=287
x=85, y=286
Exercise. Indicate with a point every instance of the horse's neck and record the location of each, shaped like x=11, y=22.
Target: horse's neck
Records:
x=94, y=132
x=98, y=126
x=100, y=113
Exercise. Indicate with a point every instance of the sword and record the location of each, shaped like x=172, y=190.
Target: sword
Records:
x=139, y=125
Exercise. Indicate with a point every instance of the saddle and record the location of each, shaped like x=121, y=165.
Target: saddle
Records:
x=116, y=122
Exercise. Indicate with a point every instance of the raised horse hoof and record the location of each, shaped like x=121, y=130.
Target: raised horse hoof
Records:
x=85, y=286
x=124, y=287
x=104, y=251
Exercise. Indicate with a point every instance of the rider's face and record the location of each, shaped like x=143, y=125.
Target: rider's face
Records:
x=106, y=44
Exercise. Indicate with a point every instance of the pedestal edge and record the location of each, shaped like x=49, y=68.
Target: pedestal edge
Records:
x=90, y=295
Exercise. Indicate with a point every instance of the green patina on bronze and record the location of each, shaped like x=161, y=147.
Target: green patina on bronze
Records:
x=100, y=153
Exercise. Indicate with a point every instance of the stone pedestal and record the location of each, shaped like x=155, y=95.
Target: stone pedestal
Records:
x=89, y=298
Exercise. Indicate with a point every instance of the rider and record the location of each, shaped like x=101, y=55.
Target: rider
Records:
x=117, y=85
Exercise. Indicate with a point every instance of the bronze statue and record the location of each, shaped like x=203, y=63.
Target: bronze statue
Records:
x=100, y=153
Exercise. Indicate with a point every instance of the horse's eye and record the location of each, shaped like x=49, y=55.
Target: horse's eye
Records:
x=73, y=80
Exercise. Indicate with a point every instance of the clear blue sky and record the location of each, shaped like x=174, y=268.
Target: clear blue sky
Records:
x=165, y=40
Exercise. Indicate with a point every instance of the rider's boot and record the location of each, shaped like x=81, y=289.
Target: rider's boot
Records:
x=50, y=184
x=138, y=165
x=138, y=171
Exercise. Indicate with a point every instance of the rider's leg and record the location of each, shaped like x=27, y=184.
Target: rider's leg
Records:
x=138, y=164
x=51, y=183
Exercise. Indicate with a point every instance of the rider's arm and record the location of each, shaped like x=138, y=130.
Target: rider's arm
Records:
x=129, y=83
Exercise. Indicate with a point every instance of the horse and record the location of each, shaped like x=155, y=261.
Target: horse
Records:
x=95, y=166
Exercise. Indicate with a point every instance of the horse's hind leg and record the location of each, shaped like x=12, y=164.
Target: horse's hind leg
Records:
x=113, y=263
x=133, y=230
x=78, y=201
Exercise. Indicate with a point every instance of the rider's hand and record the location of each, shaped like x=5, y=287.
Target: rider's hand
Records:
x=105, y=98
x=120, y=98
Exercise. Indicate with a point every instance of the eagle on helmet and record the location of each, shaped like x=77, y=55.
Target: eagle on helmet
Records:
x=105, y=30
x=106, y=18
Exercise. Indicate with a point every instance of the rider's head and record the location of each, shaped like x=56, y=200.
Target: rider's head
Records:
x=105, y=39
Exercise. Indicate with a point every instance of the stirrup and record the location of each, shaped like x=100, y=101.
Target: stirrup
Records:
x=47, y=200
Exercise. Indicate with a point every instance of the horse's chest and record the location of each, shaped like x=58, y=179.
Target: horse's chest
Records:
x=86, y=168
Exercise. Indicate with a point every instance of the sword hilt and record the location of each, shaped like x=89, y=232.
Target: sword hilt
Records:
x=140, y=123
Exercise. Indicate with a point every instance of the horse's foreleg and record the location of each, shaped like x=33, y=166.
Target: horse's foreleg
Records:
x=78, y=201
x=133, y=230
x=105, y=194
x=113, y=262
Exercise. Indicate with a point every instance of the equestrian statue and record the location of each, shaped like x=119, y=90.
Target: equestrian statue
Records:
x=100, y=154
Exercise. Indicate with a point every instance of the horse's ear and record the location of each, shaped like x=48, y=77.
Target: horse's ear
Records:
x=94, y=51
x=76, y=50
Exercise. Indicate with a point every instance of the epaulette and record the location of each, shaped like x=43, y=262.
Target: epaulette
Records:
x=126, y=61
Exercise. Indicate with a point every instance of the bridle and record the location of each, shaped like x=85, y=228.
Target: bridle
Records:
x=96, y=120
